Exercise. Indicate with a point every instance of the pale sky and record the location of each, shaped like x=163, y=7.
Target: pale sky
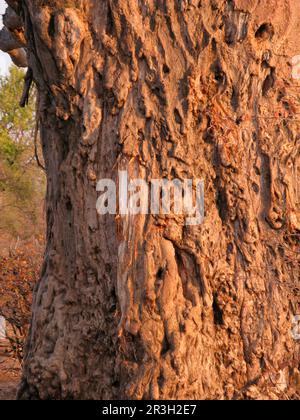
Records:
x=5, y=60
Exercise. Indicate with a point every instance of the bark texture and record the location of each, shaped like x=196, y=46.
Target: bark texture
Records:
x=12, y=38
x=146, y=307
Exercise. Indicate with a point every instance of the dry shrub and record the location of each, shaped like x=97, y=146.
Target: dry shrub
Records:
x=18, y=275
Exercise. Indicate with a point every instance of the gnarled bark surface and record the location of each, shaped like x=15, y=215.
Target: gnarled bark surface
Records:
x=147, y=307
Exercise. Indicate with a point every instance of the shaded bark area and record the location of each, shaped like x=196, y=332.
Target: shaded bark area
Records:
x=12, y=38
x=145, y=306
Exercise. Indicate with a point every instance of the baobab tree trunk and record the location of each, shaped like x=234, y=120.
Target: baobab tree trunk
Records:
x=145, y=306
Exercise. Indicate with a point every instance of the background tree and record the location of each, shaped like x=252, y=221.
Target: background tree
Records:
x=22, y=183
x=18, y=276
x=22, y=189
x=147, y=307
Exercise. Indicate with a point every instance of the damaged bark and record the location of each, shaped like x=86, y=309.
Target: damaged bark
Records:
x=145, y=306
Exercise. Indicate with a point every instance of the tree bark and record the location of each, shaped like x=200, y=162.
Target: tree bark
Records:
x=12, y=38
x=145, y=306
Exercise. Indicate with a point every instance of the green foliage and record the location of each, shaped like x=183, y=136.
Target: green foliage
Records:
x=9, y=150
x=22, y=183
x=16, y=121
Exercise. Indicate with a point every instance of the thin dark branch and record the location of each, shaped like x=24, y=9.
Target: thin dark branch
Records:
x=27, y=85
x=36, y=133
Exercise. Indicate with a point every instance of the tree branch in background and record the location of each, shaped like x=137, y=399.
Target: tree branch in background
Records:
x=36, y=145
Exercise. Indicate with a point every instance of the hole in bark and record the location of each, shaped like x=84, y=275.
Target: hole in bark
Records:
x=263, y=364
x=69, y=206
x=220, y=75
x=159, y=279
x=160, y=274
x=269, y=83
x=265, y=31
x=116, y=383
x=51, y=27
x=182, y=328
x=235, y=99
x=222, y=204
x=214, y=45
x=205, y=39
x=177, y=116
x=165, y=346
x=161, y=379
x=166, y=69
x=257, y=170
x=218, y=313
x=109, y=21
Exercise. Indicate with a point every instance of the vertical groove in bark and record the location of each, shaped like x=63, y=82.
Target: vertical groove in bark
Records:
x=147, y=307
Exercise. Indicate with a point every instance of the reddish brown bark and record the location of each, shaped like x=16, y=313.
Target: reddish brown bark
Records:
x=146, y=307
